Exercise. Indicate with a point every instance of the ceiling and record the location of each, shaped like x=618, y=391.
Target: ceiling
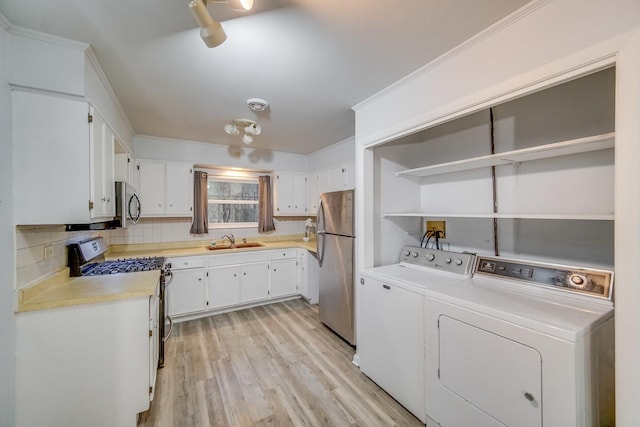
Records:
x=311, y=59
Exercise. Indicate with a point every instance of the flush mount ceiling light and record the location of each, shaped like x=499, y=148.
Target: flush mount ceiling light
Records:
x=249, y=127
x=257, y=104
x=211, y=31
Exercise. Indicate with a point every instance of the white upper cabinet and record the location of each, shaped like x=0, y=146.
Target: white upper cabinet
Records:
x=126, y=169
x=290, y=193
x=64, y=162
x=312, y=194
x=102, y=166
x=166, y=188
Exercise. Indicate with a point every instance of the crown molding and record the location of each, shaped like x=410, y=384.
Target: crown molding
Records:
x=47, y=38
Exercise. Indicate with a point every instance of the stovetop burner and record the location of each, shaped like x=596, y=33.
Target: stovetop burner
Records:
x=123, y=266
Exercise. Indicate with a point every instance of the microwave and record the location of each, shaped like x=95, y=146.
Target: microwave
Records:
x=128, y=206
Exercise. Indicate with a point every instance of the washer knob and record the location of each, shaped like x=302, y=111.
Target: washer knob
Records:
x=447, y=260
x=414, y=254
x=579, y=280
x=405, y=253
x=458, y=261
x=431, y=257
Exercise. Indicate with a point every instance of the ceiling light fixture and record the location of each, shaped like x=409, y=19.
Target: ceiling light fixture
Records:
x=211, y=31
x=257, y=104
x=250, y=128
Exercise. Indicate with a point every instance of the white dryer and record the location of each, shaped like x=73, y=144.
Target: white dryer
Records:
x=520, y=344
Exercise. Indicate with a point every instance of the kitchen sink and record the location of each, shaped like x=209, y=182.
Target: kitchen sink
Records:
x=238, y=246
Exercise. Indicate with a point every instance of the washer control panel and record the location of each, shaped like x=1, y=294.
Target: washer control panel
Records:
x=452, y=262
x=598, y=283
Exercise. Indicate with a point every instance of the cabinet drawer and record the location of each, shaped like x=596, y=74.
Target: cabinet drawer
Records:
x=183, y=263
x=238, y=258
x=284, y=253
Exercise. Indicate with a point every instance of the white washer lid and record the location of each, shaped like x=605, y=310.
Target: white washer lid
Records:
x=412, y=278
x=561, y=317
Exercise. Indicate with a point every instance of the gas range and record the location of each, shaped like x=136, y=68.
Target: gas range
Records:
x=87, y=258
x=131, y=265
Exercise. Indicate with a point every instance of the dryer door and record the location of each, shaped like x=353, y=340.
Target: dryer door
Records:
x=498, y=376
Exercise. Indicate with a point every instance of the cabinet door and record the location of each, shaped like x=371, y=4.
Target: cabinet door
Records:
x=299, y=194
x=254, y=283
x=152, y=187
x=349, y=176
x=290, y=194
x=283, y=278
x=154, y=343
x=107, y=172
x=179, y=190
x=51, y=141
x=224, y=286
x=391, y=342
x=283, y=194
x=312, y=194
x=302, y=273
x=101, y=161
x=186, y=292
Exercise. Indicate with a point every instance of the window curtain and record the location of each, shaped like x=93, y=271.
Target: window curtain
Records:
x=200, y=204
x=265, y=205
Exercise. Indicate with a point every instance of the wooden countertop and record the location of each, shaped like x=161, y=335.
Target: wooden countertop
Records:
x=60, y=290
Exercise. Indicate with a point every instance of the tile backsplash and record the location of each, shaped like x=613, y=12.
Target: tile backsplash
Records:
x=31, y=241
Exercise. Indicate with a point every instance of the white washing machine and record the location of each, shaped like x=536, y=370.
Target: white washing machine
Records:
x=391, y=335
x=520, y=344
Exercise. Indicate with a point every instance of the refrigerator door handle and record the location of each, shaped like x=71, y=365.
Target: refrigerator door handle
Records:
x=320, y=247
x=320, y=221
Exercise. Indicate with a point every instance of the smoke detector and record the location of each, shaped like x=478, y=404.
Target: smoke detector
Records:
x=257, y=104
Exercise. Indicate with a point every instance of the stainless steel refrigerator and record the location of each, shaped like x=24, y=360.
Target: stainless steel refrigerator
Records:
x=335, y=243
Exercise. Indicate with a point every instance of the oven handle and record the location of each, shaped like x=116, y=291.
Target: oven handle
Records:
x=165, y=338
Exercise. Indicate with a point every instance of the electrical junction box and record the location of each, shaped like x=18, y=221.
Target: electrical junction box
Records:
x=440, y=226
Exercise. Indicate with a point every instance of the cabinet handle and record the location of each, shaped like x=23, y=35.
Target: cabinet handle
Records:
x=362, y=280
x=530, y=397
x=104, y=199
x=199, y=279
x=244, y=274
x=235, y=275
x=275, y=269
x=386, y=286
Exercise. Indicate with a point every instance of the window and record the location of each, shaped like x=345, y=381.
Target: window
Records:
x=232, y=201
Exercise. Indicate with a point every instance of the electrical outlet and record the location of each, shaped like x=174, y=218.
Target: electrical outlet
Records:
x=48, y=252
x=440, y=226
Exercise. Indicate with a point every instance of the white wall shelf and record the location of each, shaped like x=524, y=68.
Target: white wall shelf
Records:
x=584, y=217
x=557, y=149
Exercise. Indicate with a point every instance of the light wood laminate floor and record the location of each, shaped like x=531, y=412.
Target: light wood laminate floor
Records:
x=274, y=365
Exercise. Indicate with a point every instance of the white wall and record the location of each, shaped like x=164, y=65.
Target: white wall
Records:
x=334, y=155
x=150, y=147
x=99, y=92
x=46, y=62
x=7, y=243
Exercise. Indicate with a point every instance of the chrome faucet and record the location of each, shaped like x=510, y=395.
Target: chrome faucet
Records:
x=229, y=236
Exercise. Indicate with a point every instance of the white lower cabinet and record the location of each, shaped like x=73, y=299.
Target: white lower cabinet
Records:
x=391, y=341
x=237, y=284
x=186, y=292
x=237, y=278
x=201, y=285
x=87, y=364
x=284, y=272
x=308, y=276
